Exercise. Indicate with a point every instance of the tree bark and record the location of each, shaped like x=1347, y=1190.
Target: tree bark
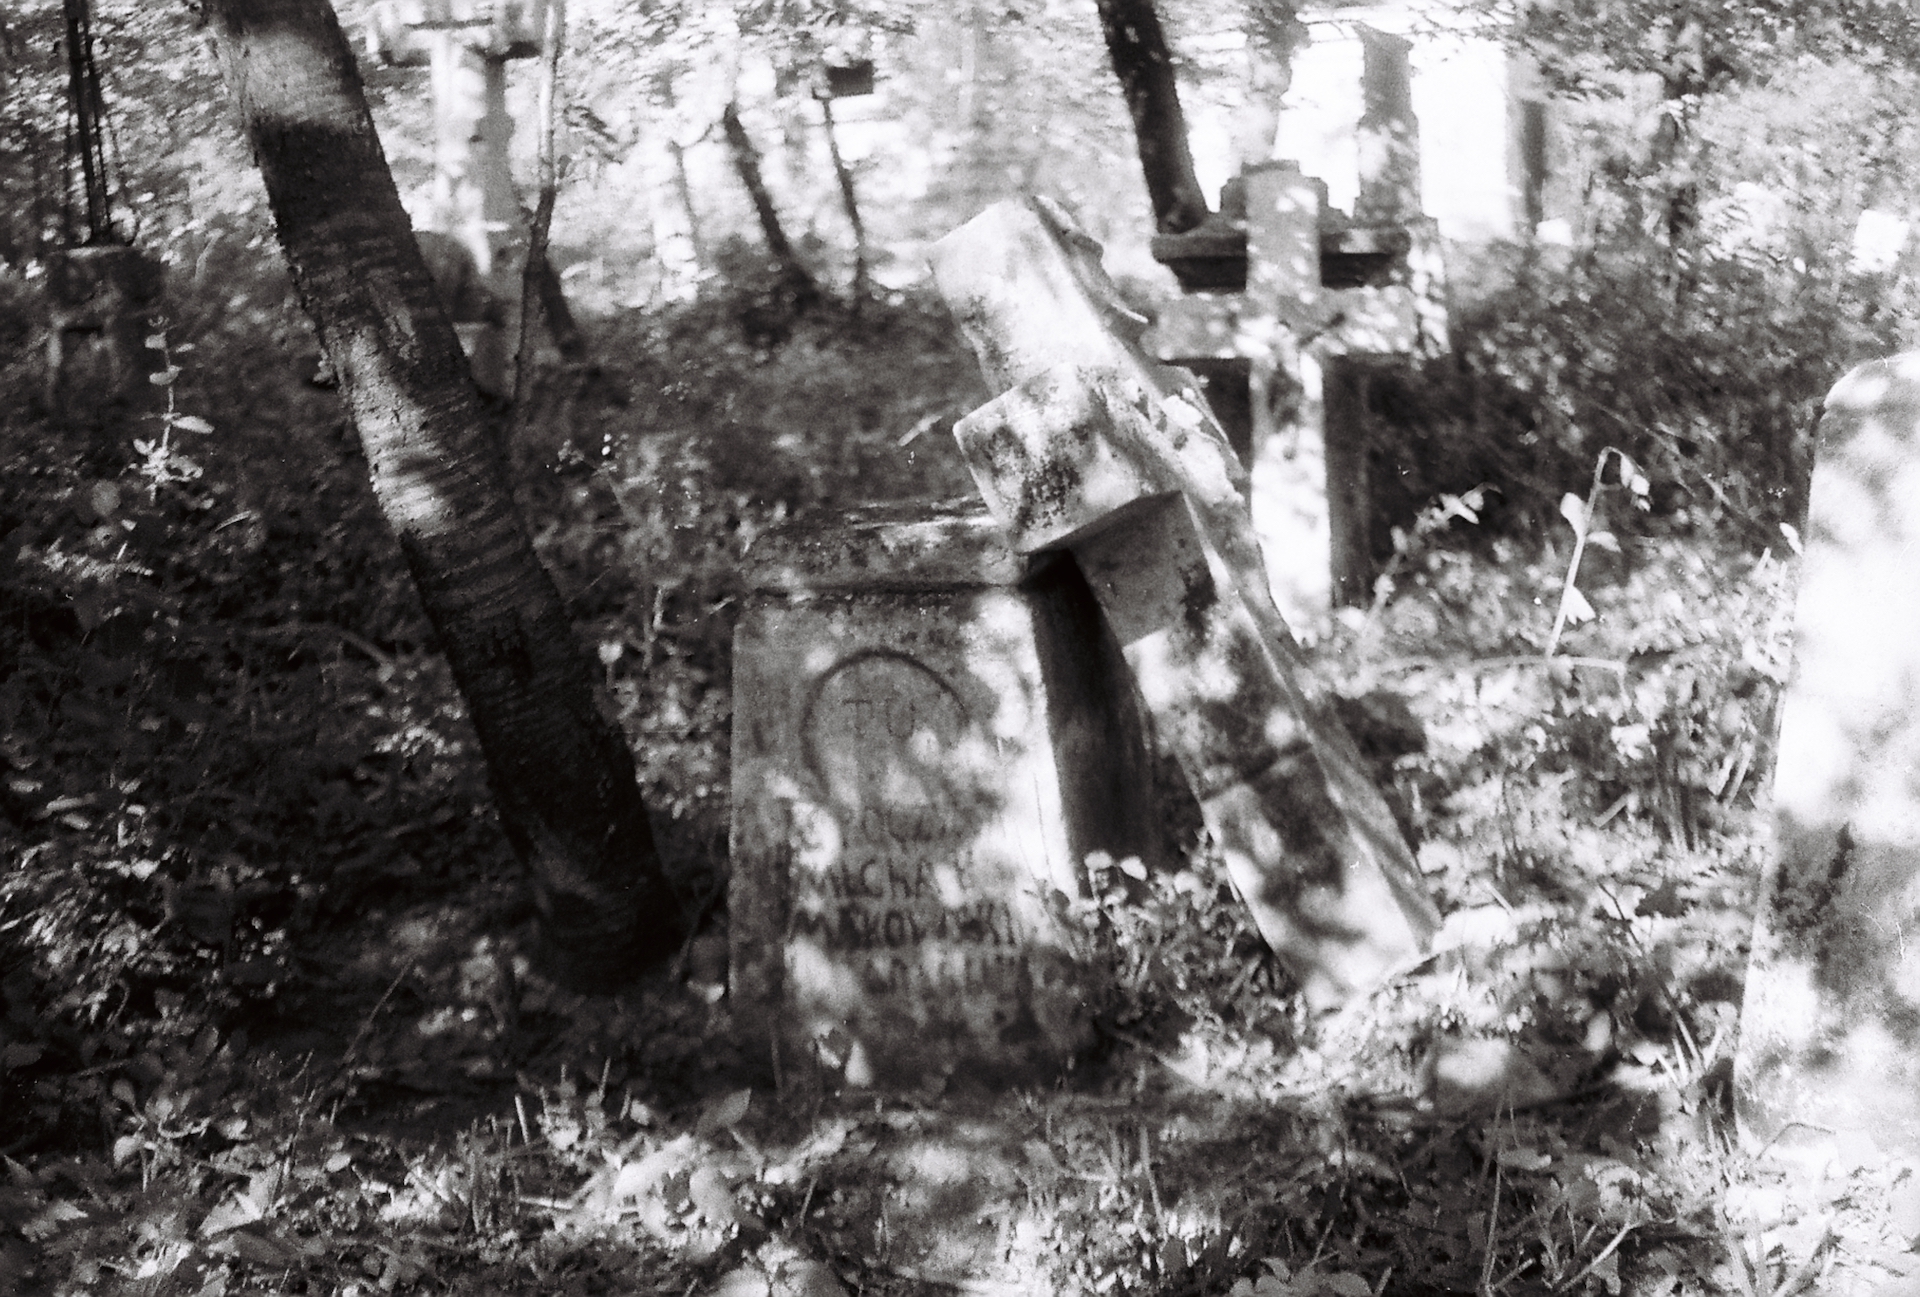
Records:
x=1144, y=65
x=850, y=201
x=555, y=310
x=562, y=773
x=797, y=286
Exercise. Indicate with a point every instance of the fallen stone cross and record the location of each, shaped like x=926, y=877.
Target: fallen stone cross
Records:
x=1829, y=1062
x=931, y=733
x=1100, y=451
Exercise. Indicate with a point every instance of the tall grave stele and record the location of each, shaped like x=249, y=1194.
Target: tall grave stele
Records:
x=1828, y=1073
x=931, y=734
x=104, y=292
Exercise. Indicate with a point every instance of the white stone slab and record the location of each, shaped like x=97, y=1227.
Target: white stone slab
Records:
x=1829, y=1066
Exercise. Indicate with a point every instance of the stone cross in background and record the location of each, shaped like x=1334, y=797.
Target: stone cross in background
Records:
x=1100, y=451
x=1829, y=1064
x=1290, y=305
x=468, y=44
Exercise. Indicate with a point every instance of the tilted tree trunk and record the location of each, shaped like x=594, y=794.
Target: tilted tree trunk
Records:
x=797, y=285
x=562, y=774
x=556, y=311
x=1144, y=65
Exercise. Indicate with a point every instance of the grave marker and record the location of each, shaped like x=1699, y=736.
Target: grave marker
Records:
x=930, y=734
x=1829, y=1061
x=468, y=44
x=103, y=298
x=1098, y=450
x=1322, y=295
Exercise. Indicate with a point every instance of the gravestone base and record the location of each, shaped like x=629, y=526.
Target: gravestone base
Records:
x=929, y=738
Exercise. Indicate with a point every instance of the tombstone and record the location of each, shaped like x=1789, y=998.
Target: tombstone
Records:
x=468, y=44
x=1101, y=452
x=1828, y=1073
x=103, y=298
x=930, y=735
x=1477, y=100
x=1387, y=136
x=1313, y=302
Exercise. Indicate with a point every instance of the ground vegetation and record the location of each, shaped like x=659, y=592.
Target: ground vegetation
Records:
x=269, y=1016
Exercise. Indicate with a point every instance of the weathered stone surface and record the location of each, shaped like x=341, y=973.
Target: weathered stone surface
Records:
x=917, y=771
x=1077, y=459
x=911, y=546
x=1829, y=1064
x=1030, y=295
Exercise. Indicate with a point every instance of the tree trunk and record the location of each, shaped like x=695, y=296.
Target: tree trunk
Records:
x=1683, y=77
x=555, y=310
x=562, y=774
x=1145, y=67
x=797, y=286
x=850, y=201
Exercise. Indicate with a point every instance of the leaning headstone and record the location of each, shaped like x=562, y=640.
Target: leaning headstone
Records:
x=930, y=736
x=1829, y=1063
x=1101, y=452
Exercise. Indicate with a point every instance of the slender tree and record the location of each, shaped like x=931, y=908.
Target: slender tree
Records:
x=799, y=291
x=1144, y=65
x=562, y=774
x=849, y=200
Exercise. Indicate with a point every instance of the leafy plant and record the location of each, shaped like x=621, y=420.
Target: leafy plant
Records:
x=161, y=463
x=1580, y=516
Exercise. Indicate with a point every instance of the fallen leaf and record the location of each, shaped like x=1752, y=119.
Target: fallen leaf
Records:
x=1345, y=1285
x=231, y=1213
x=47, y=1221
x=1523, y=1159
x=808, y=1278
x=746, y=1281
x=710, y=1194
x=724, y=1113
x=257, y=1249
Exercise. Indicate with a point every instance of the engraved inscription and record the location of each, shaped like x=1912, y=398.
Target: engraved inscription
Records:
x=888, y=883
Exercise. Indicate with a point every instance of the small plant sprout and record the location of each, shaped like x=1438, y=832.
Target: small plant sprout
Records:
x=1579, y=515
x=160, y=463
x=1432, y=521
